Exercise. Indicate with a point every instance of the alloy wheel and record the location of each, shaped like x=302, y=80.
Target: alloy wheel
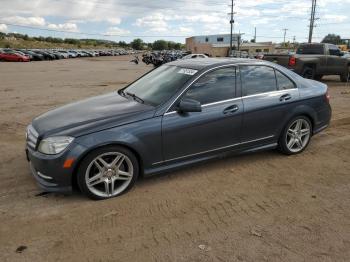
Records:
x=109, y=174
x=298, y=135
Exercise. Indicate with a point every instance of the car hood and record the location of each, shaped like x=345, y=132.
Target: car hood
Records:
x=91, y=115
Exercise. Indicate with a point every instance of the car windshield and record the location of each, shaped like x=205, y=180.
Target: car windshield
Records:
x=159, y=85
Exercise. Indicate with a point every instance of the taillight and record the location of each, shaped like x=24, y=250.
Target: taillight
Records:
x=292, y=61
x=328, y=96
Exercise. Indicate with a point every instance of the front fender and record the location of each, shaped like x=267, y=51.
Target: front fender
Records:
x=143, y=137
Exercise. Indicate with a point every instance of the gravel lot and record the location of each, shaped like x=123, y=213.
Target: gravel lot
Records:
x=259, y=207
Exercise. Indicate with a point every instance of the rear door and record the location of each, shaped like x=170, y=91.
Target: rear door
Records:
x=216, y=127
x=267, y=95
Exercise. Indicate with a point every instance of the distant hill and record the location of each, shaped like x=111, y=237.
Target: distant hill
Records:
x=13, y=40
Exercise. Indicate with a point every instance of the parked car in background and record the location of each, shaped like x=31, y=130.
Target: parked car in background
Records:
x=46, y=55
x=35, y=56
x=64, y=53
x=190, y=56
x=13, y=56
x=182, y=112
x=314, y=61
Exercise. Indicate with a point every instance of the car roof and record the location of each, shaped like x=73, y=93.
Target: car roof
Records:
x=206, y=63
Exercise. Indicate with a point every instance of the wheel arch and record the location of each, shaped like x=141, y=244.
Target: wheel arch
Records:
x=99, y=146
x=302, y=111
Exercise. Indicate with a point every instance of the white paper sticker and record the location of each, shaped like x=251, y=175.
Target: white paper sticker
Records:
x=187, y=71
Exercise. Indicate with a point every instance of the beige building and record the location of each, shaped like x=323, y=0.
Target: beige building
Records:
x=257, y=48
x=218, y=46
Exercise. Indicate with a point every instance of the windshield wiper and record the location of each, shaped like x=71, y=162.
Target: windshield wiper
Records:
x=121, y=92
x=135, y=97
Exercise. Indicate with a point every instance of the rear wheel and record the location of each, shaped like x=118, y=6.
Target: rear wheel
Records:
x=345, y=77
x=108, y=172
x=296, y=135
x=318, y=77
x=308, y=72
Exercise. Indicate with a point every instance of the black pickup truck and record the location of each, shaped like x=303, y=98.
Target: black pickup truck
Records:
x=314, y=61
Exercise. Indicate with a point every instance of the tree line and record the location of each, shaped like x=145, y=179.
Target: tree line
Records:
x=137, y=44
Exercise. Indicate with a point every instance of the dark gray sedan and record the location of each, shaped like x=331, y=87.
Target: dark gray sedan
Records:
x=178, y=114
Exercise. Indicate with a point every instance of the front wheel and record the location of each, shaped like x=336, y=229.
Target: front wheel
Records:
x=296, y=136
x=107, y=172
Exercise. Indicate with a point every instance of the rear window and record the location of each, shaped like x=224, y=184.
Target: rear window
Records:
x=310, y=50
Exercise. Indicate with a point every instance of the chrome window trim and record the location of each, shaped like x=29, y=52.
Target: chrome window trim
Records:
x=266, y=93
x=238, y=98
x=210, y=104
x=212, y=150
x=221, y=102
x=194, y=80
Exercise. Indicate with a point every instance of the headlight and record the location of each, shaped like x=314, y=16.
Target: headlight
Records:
x=54, y=145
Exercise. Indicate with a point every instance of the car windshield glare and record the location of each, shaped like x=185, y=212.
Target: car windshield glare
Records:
x=161, y=84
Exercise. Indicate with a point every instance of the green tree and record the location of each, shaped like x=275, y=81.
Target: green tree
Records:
x=137, y=44
x=178, y=46
x=122, y=44
x=160, y=45
x=332, y=39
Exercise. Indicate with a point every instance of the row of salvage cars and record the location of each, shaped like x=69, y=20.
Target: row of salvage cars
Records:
x=27, y=55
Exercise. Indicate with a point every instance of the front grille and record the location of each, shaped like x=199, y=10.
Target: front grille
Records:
x=32, y=137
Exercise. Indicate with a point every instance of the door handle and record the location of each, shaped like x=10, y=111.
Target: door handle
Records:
x=285, y=97
x=231, y=109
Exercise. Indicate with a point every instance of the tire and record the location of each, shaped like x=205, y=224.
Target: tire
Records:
x=107, y=180
x=345, y=77
x=318, y=77
x=308, y=72
x=293, y=140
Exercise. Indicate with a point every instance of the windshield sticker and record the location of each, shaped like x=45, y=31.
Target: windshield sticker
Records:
x=187, y=71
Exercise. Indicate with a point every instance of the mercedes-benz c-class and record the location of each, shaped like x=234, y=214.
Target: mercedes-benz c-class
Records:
x=178, y=114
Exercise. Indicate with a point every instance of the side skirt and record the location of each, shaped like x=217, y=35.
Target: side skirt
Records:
x=177, y=165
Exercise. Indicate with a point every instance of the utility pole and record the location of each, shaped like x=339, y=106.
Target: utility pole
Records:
x=284, y=36
x=239, y=40
x=312, y=20
x=254, y=34
x=231, y=22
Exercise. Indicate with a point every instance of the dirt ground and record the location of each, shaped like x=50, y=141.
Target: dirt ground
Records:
x=258, y=207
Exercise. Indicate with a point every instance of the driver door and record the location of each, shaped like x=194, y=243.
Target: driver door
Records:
x=216, y=127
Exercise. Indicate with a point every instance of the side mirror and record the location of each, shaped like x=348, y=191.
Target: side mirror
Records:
x=189, y=105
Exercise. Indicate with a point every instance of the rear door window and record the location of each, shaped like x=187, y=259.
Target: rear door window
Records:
x=257, y=79
x=313, y=49
x=283, y=82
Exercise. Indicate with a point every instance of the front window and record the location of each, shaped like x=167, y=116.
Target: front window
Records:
x=215, y=86
x=159, y=85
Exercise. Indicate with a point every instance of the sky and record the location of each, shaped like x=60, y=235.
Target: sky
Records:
x=124, y=20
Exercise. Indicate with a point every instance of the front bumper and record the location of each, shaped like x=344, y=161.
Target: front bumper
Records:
x=48, y=170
